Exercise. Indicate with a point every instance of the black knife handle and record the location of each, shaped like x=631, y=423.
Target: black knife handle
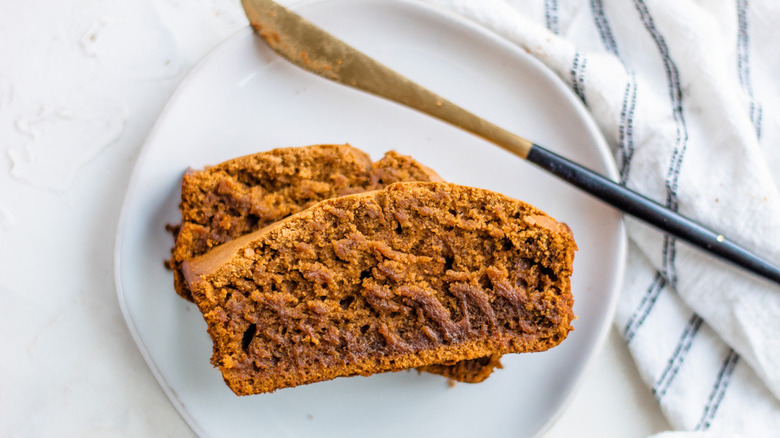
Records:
x=651, y=212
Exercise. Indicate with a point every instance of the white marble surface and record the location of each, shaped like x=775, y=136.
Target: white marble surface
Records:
x=81, y=84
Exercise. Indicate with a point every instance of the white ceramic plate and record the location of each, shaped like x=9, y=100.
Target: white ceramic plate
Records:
x=242, y=99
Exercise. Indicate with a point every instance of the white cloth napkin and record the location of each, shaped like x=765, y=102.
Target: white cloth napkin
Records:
x=686, y=94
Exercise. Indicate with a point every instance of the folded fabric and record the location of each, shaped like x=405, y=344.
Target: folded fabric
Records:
x=685, y=93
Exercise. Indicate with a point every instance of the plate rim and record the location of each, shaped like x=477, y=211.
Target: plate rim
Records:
x=601, y=145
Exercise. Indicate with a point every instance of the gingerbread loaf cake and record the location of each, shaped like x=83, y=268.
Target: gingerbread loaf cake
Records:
x=415, y=275
x=245, y=194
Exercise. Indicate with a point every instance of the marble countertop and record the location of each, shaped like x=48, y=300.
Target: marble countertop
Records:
x=81, y=84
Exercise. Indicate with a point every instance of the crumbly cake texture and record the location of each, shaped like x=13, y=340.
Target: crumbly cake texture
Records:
x=415, y=275
x=245, y=194
x=248, y=193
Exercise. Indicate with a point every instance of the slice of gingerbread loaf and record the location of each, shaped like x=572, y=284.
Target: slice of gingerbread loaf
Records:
x=415, y=275
x=245, y=194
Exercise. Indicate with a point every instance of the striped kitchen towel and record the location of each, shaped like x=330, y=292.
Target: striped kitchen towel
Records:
x=687, y=94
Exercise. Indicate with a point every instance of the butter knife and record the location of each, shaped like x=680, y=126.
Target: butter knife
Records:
x=311, y=48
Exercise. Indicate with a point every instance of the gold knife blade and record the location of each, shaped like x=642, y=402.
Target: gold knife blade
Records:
x=315, y=50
